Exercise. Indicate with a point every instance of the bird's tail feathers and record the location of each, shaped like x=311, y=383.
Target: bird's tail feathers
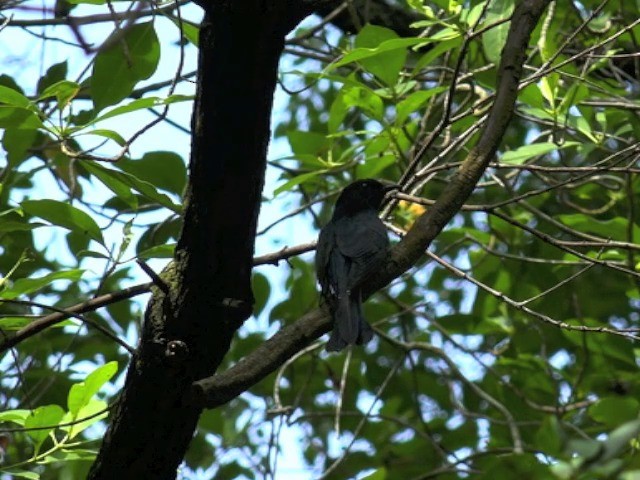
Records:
x=350, y=327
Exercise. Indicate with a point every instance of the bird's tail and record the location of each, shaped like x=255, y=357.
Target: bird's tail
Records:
x=349, y=327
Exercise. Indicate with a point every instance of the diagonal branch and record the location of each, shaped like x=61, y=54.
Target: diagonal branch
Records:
x=219, y=389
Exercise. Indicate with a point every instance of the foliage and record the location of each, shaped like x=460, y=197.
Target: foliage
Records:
x=510, y=350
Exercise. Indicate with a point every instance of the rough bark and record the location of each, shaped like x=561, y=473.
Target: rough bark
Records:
x=189, y=322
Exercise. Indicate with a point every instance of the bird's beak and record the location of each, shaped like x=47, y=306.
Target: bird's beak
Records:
x=390, y=187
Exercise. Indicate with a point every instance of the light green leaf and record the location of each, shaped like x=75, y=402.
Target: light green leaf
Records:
x=386, y=46
x=44, y=420
x=159, y=251
x=64, y=91
x=520, y=155
x=370, y=103
x=379, y=474
x=24, y=286
x=21, y=474
x=81, y=393
x=285, y=187
x=134, y=105
x=17, y=143
x=413, y=102
x=110, y=134
x=17, y=323
x=9, y=96
x=64, y=215
x=374, y=165
x=386, y=65
x=16, y=416
x=494, y=39
x=19, y=118
x=303, y=143
x=189, y=31
x=17, y=111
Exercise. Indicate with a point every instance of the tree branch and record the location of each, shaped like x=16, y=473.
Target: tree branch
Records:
x=219, y=389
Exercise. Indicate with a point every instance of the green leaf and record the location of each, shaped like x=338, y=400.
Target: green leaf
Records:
x=17, y=142
x=165, y=170
x=413, y=102
x=118, y=180
x=379, y=474
x=18, y=323
x=386, y=65
x=134, y=105
x=113, y=183
x=93, y=411
x=64, y=91
x=159, y=251
x=374, y=165
x=439, y=47
x=360, y=54
x=189, y=30
x=615, y=228
x=550, y=436
x=261, y=290
x=337, y=113
x=131, y=57
x=24, y=286
x=21, y=474
x=64, y=215
x=110, y=134
x=520, y=155
x=296, y=181
x=81, y=393
x=54, y=74
x=19, y=117
x=302, y=142
x=9, y=96
x=494, y=39
x=16, y=416
x=44, y=420
x=370, y=103
x=13, y=324
x=619, y=440
x=614, y=411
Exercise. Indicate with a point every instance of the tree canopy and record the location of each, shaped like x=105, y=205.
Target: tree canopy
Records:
x=506, y=316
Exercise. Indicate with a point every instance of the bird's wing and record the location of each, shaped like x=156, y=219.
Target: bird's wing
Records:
x=326, y=243
x=363, y=240
x=362, y=235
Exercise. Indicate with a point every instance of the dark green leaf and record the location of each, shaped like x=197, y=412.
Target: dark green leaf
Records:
x=131, y=57
x=64, y=215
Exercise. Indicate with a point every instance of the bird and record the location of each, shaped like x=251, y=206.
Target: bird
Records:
x=352, y=246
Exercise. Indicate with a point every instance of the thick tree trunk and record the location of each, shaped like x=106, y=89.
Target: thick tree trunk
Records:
x=190, y=321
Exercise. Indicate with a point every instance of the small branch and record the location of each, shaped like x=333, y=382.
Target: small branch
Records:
x=157, y=281
x=38, y=326
x=283, y=254
x=219, y=389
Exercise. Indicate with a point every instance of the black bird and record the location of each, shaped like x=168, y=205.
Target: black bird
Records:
x=351, y=247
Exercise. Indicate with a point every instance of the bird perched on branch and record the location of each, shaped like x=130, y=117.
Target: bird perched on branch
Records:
x=351, y=247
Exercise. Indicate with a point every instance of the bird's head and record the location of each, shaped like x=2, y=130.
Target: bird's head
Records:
x=362, y=195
